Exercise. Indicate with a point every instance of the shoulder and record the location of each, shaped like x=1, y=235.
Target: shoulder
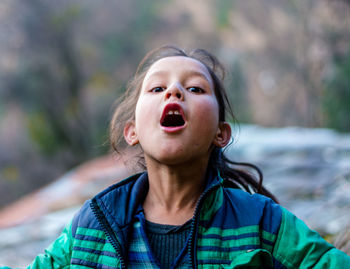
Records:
x=119, y=189
x=122, y=194
x=251, y=221
x=254, y=202
x=84, y=218
x=252, y=209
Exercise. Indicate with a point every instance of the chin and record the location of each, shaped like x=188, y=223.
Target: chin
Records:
x=171, y=160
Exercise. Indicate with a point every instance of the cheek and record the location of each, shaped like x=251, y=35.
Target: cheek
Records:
x=144, y=114
x=207, y=122
x=138, y=113
x=208, y=113
x=138, y=118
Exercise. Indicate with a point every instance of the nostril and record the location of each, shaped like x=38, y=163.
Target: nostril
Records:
x=178, y=95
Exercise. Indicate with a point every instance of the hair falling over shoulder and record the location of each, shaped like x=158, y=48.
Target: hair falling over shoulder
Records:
x=236, y=174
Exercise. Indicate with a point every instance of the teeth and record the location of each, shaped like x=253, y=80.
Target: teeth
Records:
x=171, y=112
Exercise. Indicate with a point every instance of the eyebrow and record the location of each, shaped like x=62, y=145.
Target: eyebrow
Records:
x=188, y=73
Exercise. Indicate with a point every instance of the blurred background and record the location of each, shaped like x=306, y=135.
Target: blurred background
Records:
x=64, y=63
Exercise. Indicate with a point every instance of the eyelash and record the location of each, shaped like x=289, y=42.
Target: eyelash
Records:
x=196, y=89
x=156, y=89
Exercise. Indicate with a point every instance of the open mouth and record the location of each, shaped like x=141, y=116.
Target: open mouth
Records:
x=172, y=116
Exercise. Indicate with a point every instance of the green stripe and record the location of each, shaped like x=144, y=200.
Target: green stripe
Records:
x=94, y=245
x=91, y=232
x=218, y=255
x=214, y=242
x=230, y=232
x=239, y=242
x=268, y=236
x=237, y=232
x=96, y=258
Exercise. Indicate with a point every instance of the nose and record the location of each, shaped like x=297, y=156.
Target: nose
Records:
x=175, y=91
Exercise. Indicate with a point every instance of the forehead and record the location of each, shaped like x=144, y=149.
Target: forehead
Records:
x=178, y=65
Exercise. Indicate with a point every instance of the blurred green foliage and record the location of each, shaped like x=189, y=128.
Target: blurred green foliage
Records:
x=336, y=98
x=237, y=92
x=223, y=9
x=10, y=173
x=42, y=133
x=67, y=17
x=53, y=85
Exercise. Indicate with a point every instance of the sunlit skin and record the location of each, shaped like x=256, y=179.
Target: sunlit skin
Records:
x=176, y=157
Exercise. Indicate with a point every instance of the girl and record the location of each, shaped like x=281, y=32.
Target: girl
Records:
x=191, y=208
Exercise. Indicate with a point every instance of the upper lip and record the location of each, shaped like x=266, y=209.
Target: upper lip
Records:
x=172, y=107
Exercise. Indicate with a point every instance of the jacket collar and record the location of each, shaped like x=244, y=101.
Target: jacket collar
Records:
x=121, y=202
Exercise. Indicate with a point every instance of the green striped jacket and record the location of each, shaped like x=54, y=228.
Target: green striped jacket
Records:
x=230, y=229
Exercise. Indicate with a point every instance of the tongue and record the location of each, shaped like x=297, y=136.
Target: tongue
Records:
x=173, y=121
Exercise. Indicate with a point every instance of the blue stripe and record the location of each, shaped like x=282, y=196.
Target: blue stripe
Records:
x=91, y=264
x=221, y=249
x=267, y=242
x=98, y=252
x=230, y=237
x=90, y=238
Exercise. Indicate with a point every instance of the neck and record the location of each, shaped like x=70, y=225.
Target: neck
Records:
x=173, y=191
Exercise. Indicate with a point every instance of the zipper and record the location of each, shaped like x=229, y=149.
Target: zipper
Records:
x=191, y=242
x=107, y=229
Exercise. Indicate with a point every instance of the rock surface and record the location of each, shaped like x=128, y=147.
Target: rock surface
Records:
x=307, y=169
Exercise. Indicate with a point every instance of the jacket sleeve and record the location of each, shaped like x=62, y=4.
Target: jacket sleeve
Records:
x=299, y=247
x=58, y=254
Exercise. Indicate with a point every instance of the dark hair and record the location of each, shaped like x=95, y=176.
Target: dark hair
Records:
x=125, y=112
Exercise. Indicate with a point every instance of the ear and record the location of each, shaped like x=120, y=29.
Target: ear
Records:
x=223, y=135
x=130, y=135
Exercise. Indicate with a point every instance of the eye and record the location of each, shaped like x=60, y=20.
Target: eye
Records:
x=157, y=89
x=195, y=89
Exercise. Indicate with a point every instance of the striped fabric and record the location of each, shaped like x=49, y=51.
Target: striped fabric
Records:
x=92, y=249
x=217, y=246
x=140, y=255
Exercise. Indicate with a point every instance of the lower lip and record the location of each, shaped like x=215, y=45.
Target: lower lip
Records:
x=172, y=129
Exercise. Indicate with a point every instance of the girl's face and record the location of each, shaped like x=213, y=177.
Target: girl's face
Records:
x=177, y=113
